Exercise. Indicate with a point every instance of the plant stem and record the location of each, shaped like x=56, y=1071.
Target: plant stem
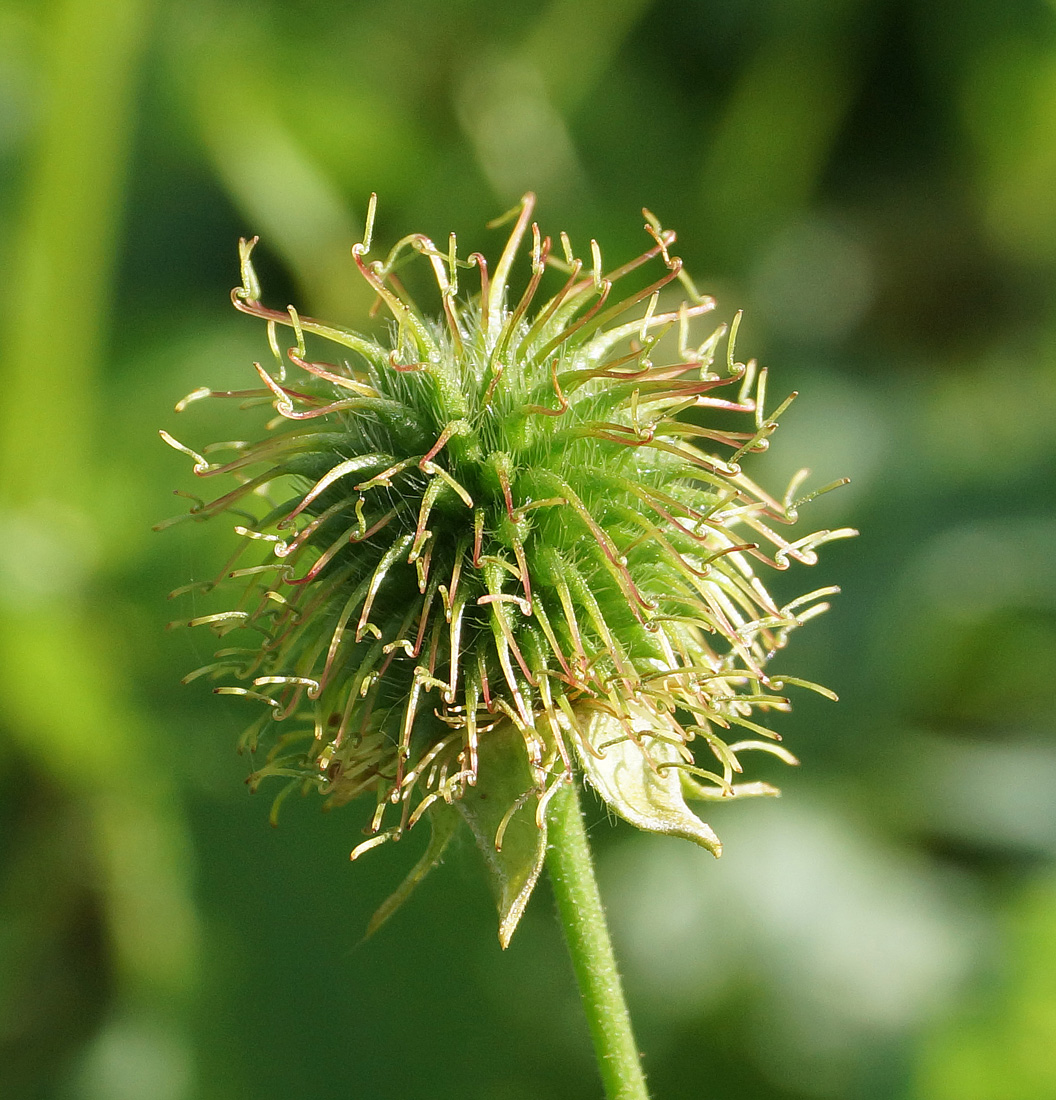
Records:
x=587, y=935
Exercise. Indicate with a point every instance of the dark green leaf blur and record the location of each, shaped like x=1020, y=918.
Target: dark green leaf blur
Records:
x=874, y=182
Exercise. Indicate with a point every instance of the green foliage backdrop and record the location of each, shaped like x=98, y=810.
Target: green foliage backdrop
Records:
x=874, y=181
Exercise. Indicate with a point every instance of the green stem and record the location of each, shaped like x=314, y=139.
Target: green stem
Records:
x=587, y=935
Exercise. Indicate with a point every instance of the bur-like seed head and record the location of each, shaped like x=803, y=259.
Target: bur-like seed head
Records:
x=510, y=543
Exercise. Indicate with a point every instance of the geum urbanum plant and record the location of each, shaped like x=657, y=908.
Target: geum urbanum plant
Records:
x=504, y=548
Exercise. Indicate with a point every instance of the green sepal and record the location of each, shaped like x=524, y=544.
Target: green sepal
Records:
x=694, y=790
x=506, y=783
x=444, y=821
x=647, y=794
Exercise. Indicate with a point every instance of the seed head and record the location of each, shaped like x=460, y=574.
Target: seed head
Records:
x=504, y=545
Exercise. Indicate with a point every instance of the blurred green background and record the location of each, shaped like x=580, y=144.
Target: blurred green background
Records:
x=874, y=181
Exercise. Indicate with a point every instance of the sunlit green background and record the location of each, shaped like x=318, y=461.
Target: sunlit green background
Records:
x=874, y=181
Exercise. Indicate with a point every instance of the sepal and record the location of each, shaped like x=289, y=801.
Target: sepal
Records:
x=502, y=814
x=634, y=763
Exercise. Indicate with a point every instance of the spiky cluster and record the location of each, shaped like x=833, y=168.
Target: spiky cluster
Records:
x=512, y=516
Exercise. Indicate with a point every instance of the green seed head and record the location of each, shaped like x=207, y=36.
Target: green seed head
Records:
x=506, y=544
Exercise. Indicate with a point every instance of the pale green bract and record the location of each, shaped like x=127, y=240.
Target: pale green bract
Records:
x=504, y=546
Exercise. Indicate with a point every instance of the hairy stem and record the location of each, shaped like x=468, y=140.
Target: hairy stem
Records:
x=587, y=935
